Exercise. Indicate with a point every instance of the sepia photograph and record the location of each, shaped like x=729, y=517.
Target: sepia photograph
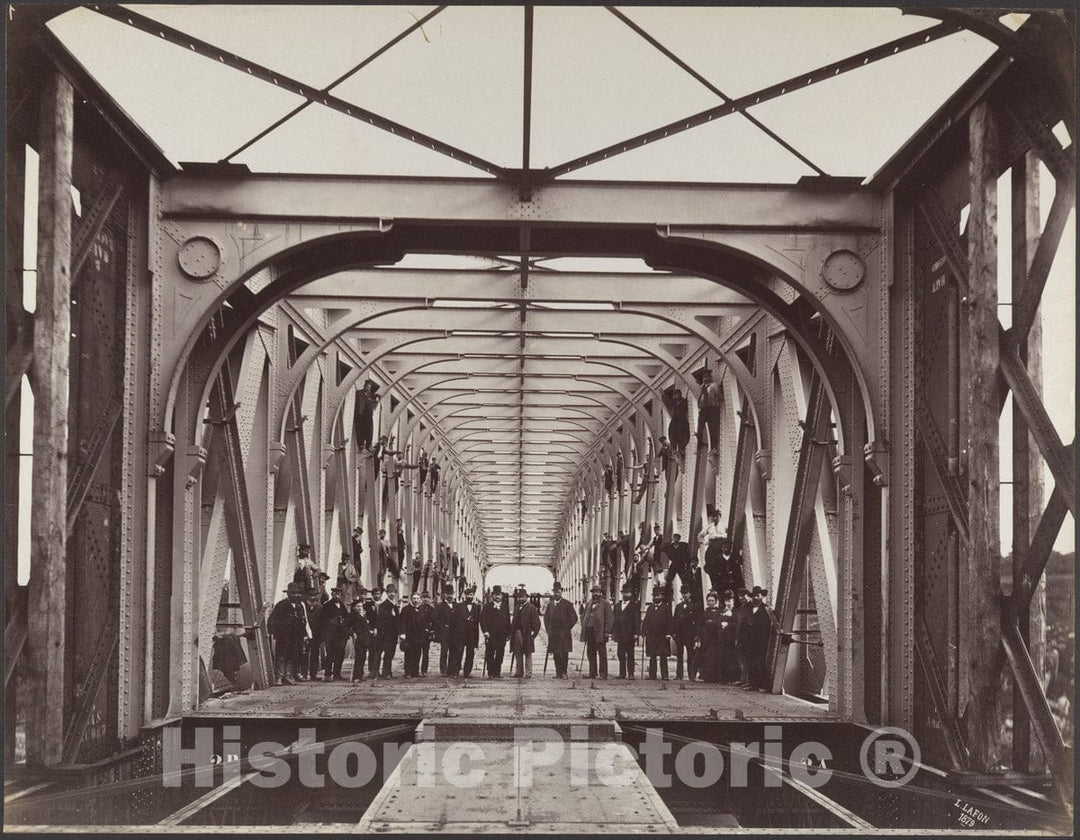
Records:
x=555, y=419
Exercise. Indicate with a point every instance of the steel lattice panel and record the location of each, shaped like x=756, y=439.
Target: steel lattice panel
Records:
x=937, y=303
x=97, y=382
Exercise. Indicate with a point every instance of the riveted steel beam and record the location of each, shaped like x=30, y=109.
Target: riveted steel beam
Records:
x=332, y=198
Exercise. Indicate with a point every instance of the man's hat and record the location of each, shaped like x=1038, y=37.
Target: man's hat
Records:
x=711, y=511
x=627, y=588
x=596, y=588
x=294, y=589
x=757, y=590
x=676, y=536
x=742, y=590
x=521, y=594
x=556, y=587
x=496, y=590
x=470, y=590
x=336, y=589
x=658, y=590
x=371, y=383
x=702, y=373
x=425, y=594
x=324, y=576
x=448, y=590
x=685, y=590
x=726, y=544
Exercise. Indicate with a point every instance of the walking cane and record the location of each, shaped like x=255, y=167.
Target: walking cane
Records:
x=547, y=654
x=483, y=668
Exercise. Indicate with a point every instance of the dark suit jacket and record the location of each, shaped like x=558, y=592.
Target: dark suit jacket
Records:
x=465, y=628
x=685, y=622
x=559, y=620
x=626, y=621
x=656, y=627
x=495, y=621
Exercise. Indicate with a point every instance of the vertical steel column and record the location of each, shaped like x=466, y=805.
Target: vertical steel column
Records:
x=296, y=448
x=980, y=604
x=46, y=652
x=800, y=524
x=233, y=486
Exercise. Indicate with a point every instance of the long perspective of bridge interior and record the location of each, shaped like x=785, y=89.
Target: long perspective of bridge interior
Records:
x=407, y=376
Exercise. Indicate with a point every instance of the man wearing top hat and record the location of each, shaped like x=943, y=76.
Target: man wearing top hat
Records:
x=464, y=635
x=334, y=629
x=386, y=628
x=656, y=628
x=364, y=413
x=413, y=625
x=288, y=627
x=684, y=629
x=495, y=625
x=442, y=617
x=559, y=620
x=596, y=620
x=427, y=612
x=523, y=630
x=625, y=629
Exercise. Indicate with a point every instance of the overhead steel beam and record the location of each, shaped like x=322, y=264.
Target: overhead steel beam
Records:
x=337, y=198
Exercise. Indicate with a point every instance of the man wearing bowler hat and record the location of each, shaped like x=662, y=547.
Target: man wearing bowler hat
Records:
x=759, y=622
x=656, y=628
x=464, y=635
x=596, y=630
x=288, y=627
x=559, y=619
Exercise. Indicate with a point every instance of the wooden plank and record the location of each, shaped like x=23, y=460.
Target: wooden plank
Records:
x=981, y=558
x=47, y=609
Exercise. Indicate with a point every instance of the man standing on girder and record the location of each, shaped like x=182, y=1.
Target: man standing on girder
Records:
x=679, y=425
x=559, y=619
x=679, y=562
x=709, y=405
x=386, y=559
x=364, y=413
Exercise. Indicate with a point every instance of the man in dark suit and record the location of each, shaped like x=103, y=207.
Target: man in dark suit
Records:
x=427, y=612
x=684, y=629
x=334, y=628
x=625, y=628
x=759, y=624
x=741, y=620
x=559, y=619
x=413, y=630
x=363, y=415
x=596, y=621
x=656, y=628
x=288, y=627
x=360, y=627
x=442, y=617
x=523, y=630
x=386, y=623
x=680, y=562
x=464, y=635
x=495, y=625
x=372, y=599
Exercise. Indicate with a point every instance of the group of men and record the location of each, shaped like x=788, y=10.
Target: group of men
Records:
x=446, y=569
x=310, y=631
